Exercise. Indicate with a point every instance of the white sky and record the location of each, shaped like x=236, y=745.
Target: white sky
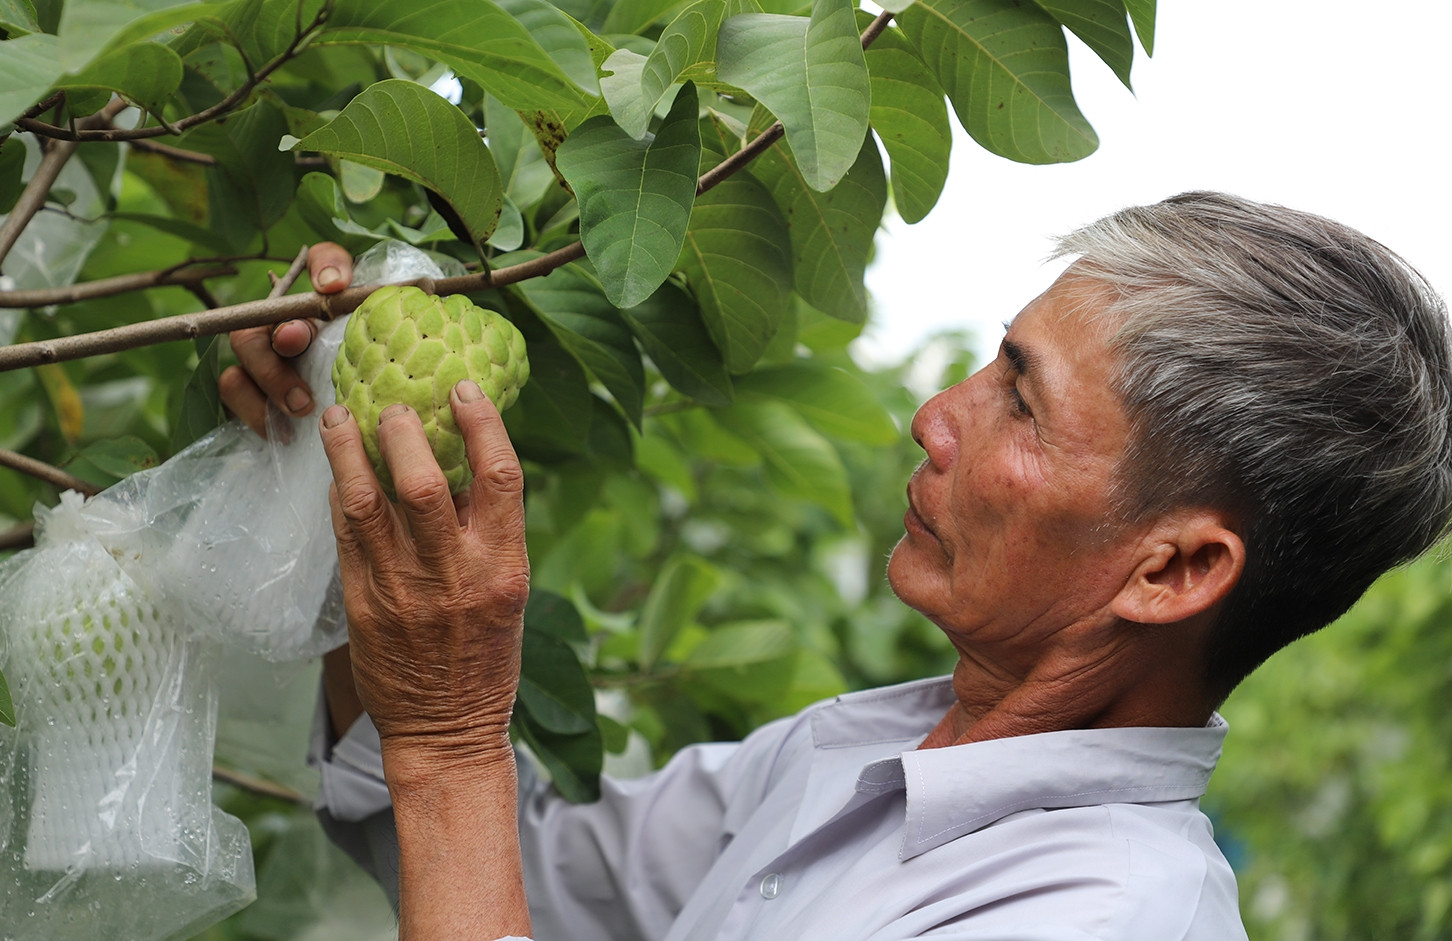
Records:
x=1329, y=106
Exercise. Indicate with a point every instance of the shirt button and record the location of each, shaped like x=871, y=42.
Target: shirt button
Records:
x=771, y=886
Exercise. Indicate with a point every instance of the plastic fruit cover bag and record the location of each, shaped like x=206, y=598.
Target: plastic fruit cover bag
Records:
x=107, y=827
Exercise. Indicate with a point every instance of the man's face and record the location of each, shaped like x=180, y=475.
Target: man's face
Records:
x=1009, y=532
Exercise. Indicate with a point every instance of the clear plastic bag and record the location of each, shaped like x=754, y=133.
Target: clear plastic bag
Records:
x=107, y=827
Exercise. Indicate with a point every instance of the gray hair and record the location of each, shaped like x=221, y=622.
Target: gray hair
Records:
x=1290, y=371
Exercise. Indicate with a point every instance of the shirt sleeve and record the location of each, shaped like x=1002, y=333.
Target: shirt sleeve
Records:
x=620, y=868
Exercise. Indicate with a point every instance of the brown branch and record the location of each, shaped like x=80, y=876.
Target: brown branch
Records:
x=108, y=287
x=33, y=198
x=46, y=472
x=258, y=786
x=174, y=153
x=18, y=537
x=327, y=306
x=282, y=285
x=225, y=106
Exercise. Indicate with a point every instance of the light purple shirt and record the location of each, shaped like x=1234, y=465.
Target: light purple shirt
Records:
x=830, y=825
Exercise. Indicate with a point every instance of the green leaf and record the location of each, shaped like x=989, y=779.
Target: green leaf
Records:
x=18, y=17
x=573, y=304
x=12, y=164
x=635, y=197
x=831, y=233
x=737, y=260
x=553, y=685
x=911, y=119
x=7, y=708
x=90, y=27
x=560, y=36
x=669, y=327
x=811, y=75
x=28, y=67
x=119, y=457
x=676, y=596
x=1142, y=14
x=750, y=660
x=799, y=462
x=1005, y=67
x=145, y=72
x=555, y=615
x=200, y=409
x=1102, y=25
x=522, y=167
x=555, y=410
x=573, y=761
x=633, y=16
x=836, y=402
x=263, y=29
x=478, y=39
x=686, y=48
x=405, y=129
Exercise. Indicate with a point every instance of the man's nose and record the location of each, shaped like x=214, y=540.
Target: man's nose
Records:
x=934, y=429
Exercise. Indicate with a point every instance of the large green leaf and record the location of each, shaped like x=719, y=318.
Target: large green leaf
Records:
x=28, y=66
x=799, y=462
x=669, y=327
x=811, y=74
x=911, y=119
x=635, y=197
x=262, y=29
x=406, y=129
x=676, y=596
x=1005, y=67
x=553, y=685
x=831, y=233
x=737, y=259
x=145, y=72
x=686, y=48
x=560, y=36
x=17, y=17
x=1103, y=27
x=252, y=184
x=89, y=27
x=571, y=302
x=1142, y=13
x=555, y=410
x=633, y=16
x=522, y=167
x=478, y=39
x=750, y=660
x=836, y=402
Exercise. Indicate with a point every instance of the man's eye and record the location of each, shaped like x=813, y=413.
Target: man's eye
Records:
x=1019, y=405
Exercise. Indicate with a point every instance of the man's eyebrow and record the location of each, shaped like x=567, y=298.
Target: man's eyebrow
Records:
x=1022, y=360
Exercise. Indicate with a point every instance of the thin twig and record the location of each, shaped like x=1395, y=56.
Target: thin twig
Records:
x=108, y=287
x=174, y=153
x=246, y=782
x=327, y=306
x=46, y=472
x=282, y=285
x=33, y=198
x=223, y=107
x=18, y=537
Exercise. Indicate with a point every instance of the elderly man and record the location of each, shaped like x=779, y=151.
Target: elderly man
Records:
x=1203, y=441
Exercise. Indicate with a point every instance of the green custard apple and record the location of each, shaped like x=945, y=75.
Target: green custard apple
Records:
x=402, y=345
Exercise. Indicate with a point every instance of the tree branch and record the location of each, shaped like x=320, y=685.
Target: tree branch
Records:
x=18, y=537
x=327, y=306
x=46, y=472
x=258, y=786
x=108, y=287
x=217, y=110
x=33, y=197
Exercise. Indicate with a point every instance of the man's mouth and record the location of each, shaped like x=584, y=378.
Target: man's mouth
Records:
x=913, y=520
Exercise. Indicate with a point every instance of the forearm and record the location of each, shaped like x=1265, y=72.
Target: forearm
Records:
x=460, y=875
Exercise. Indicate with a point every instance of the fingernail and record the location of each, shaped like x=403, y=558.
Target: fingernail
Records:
x=328, y=276
x=469, y=390
x=392, y=412
x=298, y=401
x=334, y=416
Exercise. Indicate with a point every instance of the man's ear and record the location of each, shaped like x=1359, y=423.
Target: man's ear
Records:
x=1186, y=566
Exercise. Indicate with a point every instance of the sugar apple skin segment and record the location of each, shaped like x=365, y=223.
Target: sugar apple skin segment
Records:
x=403, y=345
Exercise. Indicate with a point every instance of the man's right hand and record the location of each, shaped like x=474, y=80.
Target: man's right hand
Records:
x=264, y=370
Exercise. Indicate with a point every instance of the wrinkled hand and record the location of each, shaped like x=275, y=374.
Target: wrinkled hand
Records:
x=265, y=371
x=434, y=586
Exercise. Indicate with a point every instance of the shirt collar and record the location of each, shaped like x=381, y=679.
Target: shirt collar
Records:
x=961, y=788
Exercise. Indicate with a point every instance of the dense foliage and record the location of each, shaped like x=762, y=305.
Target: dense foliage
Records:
x=713, y=482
